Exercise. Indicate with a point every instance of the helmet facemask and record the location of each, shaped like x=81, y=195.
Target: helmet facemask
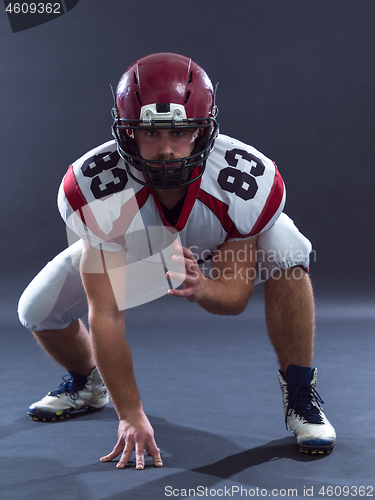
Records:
x=165, y=174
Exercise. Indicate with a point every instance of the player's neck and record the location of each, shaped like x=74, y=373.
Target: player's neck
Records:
x=170, y=197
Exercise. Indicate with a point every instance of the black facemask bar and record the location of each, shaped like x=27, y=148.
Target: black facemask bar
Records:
x=166, y=174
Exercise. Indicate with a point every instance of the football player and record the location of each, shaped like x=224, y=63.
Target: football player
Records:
x=170, y=206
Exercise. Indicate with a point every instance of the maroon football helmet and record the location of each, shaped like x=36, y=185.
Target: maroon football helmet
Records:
x=165, y=91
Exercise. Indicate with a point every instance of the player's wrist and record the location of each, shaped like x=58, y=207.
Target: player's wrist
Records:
x=131, y=414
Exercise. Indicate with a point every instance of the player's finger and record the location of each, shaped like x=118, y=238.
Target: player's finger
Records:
x=139, y=456
x=125, y=457
x=177, y=248
x=116, y=451
x=156, y=457
x=178, y=259
x=184, y=278
x=187, y=253
x=154, y=452
x=185, y=293
x=185, y=259
x=186, y=265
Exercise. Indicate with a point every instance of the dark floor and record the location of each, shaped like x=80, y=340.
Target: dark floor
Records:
x=209, y=387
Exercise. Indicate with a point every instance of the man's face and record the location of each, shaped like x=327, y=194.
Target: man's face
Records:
x=167, y=144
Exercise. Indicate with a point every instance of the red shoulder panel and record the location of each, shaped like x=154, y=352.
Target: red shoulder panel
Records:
x=272, y=204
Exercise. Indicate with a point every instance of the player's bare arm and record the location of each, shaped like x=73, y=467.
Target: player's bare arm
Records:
x=113, y=356
x=232, y=282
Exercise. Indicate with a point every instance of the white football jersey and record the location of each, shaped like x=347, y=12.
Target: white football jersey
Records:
x=240, y=195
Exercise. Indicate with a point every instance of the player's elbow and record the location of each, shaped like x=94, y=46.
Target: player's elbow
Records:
x=239, y=304
x=238, y=309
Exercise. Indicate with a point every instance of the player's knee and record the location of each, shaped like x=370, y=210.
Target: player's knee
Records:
x=55, y=297
x=29, y=314
x=283, y=247
x=37, y=313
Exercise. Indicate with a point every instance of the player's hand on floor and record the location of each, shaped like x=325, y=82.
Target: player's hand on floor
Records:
x=194, y=282
x=135, y=434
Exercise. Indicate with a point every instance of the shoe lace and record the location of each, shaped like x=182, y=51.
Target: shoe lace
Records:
x=306, y=403
x=68, y=386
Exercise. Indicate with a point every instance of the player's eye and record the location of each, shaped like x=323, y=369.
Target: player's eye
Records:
x=179, y=133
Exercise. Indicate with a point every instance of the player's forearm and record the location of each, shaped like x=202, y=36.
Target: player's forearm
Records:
x=114, y=360
x=226, y=295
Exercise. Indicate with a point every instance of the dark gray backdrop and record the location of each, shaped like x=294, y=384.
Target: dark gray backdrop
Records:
x=296, y=81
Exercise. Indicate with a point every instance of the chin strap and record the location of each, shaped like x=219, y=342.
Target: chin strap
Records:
x=114, y=111
x=215, y=109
